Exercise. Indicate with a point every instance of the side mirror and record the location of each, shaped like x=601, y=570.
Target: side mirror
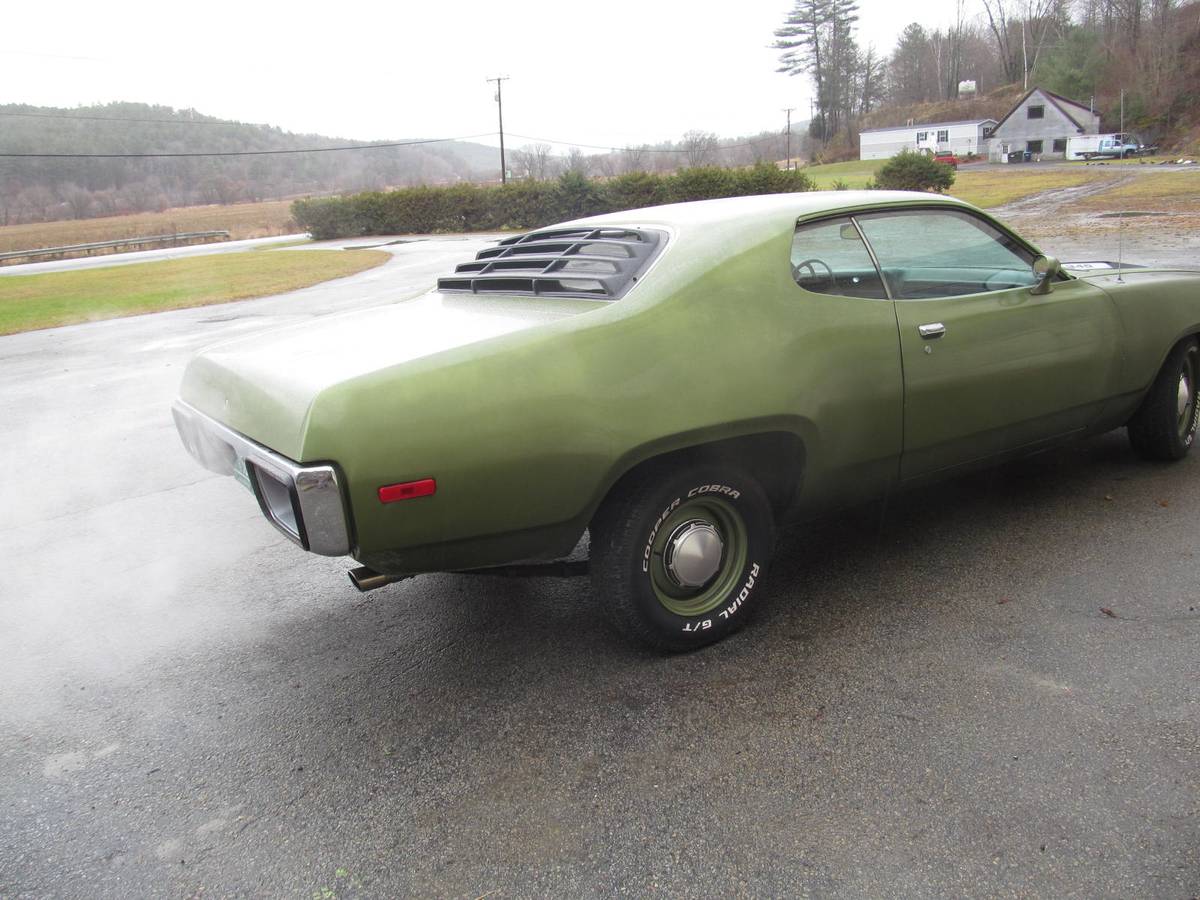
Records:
x=1046, y=269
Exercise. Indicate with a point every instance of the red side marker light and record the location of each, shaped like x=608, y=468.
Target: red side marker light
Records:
x=406, y=490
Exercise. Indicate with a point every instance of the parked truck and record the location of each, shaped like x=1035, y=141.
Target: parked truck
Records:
x=1103, y=146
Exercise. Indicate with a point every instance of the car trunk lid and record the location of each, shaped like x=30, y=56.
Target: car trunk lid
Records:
x=263, y=386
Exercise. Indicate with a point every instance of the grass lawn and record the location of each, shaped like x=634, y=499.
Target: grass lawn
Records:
x=983, y=186
x=997, y=185
x=1172, y=191
x=282, y=244
x=241, y=220
x=855, y=173
x=28, y=302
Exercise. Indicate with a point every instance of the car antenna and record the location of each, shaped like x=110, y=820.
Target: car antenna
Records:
x=1120, y=245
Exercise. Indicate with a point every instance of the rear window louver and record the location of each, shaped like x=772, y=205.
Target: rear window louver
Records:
x=596, y=263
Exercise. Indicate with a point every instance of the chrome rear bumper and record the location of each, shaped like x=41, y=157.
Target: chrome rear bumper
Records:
x=304, y=502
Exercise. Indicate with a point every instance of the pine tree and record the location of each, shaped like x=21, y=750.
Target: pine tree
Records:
x=817, y=39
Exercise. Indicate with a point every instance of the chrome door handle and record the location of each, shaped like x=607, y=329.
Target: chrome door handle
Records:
x=931, y=331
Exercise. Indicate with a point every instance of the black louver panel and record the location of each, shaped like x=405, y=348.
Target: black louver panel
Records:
x=597, y=263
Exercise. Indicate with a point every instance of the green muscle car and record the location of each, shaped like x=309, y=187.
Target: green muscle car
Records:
x=676, y=381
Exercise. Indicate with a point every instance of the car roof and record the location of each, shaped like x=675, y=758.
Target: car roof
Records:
x=763, y=209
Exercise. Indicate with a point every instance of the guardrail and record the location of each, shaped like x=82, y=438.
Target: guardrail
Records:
x=170, y=240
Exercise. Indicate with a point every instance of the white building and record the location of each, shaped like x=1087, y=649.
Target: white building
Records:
x=1040, y=124
x=960, y=138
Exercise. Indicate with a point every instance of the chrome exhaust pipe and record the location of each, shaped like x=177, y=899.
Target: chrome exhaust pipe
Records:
x=368, y=579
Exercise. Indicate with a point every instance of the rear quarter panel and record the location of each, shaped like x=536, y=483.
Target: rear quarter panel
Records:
x=526, y=433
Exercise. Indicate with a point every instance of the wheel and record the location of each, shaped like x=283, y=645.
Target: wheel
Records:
x=679, y=553
x=1165, y=424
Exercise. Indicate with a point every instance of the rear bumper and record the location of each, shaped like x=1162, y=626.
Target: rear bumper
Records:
x=306, y=503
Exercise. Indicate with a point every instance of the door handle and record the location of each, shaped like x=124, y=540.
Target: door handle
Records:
x=931, y=331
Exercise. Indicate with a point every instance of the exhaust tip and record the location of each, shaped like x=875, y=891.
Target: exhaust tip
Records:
x=366, y=579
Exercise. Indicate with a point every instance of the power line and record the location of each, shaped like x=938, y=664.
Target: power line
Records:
x=387, y=146
x=381, y=146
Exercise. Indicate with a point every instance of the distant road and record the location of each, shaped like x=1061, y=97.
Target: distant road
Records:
x=125, y=259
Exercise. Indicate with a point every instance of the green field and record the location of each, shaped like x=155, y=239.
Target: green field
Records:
x=1170, y=191
x=984, y=186
x=241, y=220
x=855, y=173
x=282, y=244
x=997, y=185
x=47, y=300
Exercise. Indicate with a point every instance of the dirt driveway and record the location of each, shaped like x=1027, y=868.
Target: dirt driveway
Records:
x=1148, y=214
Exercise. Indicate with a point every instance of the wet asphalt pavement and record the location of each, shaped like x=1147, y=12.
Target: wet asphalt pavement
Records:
x=990, y=687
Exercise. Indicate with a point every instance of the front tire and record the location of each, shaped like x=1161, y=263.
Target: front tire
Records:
x=678, y=554
x=1164, y=427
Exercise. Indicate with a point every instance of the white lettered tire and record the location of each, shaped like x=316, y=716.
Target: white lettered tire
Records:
x=679, y=553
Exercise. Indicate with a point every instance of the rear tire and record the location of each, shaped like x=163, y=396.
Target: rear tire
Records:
x=679, y=553
x=1164, y=427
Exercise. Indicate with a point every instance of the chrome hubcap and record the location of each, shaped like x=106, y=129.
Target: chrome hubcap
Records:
x=693, y=554
x=1183, y=397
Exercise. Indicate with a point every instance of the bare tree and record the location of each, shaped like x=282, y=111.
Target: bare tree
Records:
x=998, y=15
x=37, y=203
x=1033, y=23
x=578, y=161
x=1041, y=17
x=633, y=159
x=605, y=164
x=699, y=147
x=78, y=200
x=540, y=158
x=521, y=163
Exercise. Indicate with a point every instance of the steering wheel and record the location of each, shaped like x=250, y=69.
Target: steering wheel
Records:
x=811, y=265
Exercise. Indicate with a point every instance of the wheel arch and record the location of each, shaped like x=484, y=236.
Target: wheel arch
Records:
x=775, y=452
x=1191, y=333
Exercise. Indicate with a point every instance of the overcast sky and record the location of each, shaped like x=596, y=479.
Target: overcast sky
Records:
x=606, y=73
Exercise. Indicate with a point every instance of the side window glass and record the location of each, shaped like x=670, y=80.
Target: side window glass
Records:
x=927, y=253
x=830, y=258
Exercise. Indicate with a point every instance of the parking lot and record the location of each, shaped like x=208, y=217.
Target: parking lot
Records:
x=990, y=687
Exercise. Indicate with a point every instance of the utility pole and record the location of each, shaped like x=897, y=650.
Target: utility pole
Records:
x=1122, y=110
x=500, y=105
x=788, y=167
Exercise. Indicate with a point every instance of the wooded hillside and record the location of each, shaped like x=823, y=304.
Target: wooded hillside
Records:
x=42, y=189
x=1137, y=61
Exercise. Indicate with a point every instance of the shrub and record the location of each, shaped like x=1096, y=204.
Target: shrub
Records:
x=701, y=183
x=910, y=171
x=767, y=178
x=523, y=204
x=576, y=196
x=635, y=190
x=529, y=204
x=326, y=217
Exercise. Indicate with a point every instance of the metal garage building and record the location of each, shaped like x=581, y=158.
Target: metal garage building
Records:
x=1040, y=124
